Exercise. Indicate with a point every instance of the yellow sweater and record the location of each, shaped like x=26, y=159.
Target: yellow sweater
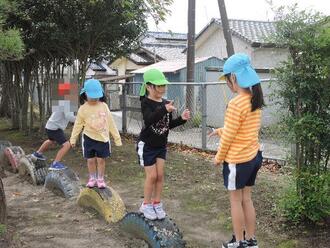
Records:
x=239, y=136
x=96, y=122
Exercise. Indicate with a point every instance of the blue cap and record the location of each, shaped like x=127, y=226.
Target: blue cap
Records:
x=92, y=88
x=240, y=65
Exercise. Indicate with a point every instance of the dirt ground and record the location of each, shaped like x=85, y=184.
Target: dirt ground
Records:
x=194, y=198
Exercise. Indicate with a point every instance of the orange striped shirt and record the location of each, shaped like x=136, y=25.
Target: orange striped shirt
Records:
x=239, y=136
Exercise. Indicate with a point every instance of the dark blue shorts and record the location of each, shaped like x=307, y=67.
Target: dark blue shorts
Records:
x=94, y=148
x=56, y=135
x=237, y=176
x=148, y=155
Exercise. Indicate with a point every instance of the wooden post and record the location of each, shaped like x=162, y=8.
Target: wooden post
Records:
x=225, y=27
x=191, y=55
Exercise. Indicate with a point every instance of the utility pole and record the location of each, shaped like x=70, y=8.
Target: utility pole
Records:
x=191, y=55
x=225, y=27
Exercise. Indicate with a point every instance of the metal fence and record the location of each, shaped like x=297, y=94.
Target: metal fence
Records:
x=208, y=105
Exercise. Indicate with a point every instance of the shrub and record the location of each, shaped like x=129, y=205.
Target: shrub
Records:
x=303, y=92
x=196, y=119
x=312, y=203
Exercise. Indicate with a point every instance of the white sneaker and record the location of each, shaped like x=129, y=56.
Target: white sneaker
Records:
x=159, y=211
x=148, y=211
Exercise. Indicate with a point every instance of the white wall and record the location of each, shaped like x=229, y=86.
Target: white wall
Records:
x=268, y=57
x=212, y=43
x=123, y=64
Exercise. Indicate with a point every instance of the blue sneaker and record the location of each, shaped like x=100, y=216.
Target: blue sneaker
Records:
x=37, y=155
x=57, y=166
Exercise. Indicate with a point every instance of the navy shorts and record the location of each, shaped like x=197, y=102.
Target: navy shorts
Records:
x=56, y=135
x=148, y=155
x=237, y=176
x=94, y=148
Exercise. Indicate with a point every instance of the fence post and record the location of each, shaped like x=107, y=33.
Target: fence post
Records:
x=204, y=116
x=124, y=110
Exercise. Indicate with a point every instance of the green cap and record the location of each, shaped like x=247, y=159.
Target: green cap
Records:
x=153, y=76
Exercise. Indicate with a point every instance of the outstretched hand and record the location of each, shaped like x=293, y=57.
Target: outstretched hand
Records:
x=212, y=133
x=170, y=107
x=185, y=115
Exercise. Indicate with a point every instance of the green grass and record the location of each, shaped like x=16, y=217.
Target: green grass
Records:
x=288, y=244
x=3, y=229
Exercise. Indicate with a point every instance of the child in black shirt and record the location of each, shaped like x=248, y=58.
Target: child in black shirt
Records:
x=151, y=146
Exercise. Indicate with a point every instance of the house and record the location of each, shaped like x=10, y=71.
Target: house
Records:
x=99, y=70
x=250, y=37
x=155, y=47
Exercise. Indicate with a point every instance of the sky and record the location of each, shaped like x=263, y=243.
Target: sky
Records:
x=236, y=9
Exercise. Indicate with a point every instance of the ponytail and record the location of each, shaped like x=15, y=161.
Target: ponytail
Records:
x=257, y=100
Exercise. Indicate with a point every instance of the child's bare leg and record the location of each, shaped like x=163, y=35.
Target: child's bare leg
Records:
x=44, y=147
x=149, y=183
x=249, y=213
x=160, y=179
x=237, y=215
x=100, y=168
x=91, y=163
x=64, y=149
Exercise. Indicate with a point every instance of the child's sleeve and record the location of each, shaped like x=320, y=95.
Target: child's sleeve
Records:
x=176, y=122
x=78, y=126
x=229, y=131
x=113, y=129
x=70, y=116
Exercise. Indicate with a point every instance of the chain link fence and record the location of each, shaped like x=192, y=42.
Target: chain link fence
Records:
x=207, y=101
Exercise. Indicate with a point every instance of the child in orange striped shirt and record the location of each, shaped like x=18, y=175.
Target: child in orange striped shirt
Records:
x=239, y=147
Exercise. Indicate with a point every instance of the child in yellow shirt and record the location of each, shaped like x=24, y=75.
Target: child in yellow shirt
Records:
x=96, y=122
x=239, y=147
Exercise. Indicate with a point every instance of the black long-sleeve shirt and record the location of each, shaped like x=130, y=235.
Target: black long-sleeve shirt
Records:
x=157, y=122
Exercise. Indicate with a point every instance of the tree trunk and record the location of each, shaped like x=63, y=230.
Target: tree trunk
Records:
x=190, y=96
x=16, y=93
x=41, y=102
x=225, y=27
x=25, y=98
x=3, y=206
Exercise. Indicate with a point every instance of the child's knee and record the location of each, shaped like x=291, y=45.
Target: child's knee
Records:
x=67, y=145
x=160, y=177
x=247, y=200
x=152, y=177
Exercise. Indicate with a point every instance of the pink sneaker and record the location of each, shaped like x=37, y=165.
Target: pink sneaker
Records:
x=101, y=184
x=91, y=183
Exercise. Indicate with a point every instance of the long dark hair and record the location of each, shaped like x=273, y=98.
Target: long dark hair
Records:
x=257, y=99
x=83, y=98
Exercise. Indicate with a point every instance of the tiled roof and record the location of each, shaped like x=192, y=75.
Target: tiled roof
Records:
x=250, y=31
x=99, y=68
x=137, y=58
x=96, y=67
x=169, y=65
x=159, y=46
x=168, y=35
x=166, y=51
